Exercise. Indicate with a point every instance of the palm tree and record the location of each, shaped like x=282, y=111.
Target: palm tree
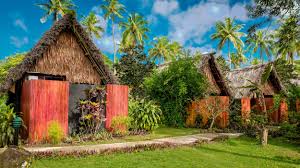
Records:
x=238, y=58
x=288, y=35
x=255, y=61
x=161, y=50
x=56, y=8
x=113, y=10
x=135, y=30
x=176, y=50
x=228, y=32
x=91, y=24
x=260, y=41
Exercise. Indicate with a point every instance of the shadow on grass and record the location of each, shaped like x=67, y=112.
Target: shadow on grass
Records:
x=276, y=158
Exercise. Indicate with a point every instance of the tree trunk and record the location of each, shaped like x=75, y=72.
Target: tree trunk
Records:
x=229, y=59
x=261, y=56
x=114, y=42
x=264, y=137
x=212, y=123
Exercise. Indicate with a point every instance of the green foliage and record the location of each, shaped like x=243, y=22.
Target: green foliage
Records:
x=285, y=71
x=132, y=68
x=293, y=95
x=174, y=87
x=55, y=132
x=56, y=8
x=135, y=30
x=164, y=50
x=90, y=23
x=145, y=114
x=7, y=115
x=8, y=63
x=120, y=125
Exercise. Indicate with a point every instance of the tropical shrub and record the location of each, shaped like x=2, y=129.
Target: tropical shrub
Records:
x=55, y=132
x=92, y=111
x=145, y=114
x=7, y=115
x=120, y=125
x=9, y=62
x=174, y=87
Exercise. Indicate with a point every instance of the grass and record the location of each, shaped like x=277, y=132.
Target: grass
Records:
x=161, y=132
x=242, y=152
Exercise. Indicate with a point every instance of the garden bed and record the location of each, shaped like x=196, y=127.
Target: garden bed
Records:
x=162, y=132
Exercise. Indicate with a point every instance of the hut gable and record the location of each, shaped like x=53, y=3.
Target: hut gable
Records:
x=210, y=68
x=66, y=57
x=58, y=42
x=238, y=79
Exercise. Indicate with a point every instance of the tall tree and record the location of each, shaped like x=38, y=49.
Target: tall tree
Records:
x=288, y=36
x=238, y=58
x=228, y=32
x=91, y=24
x=56, y=8
x=260, y=41
x=133, y=67
x=135, y=30
x=164, y=50
x=113, y=9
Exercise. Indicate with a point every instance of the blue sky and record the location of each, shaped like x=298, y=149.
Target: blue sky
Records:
x=189, y=22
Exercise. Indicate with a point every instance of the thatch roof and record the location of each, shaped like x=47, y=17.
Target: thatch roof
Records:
x=238, y=80
x=67, y=23
x=209, y=63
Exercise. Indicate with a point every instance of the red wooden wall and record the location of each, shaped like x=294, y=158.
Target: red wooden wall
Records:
x=201, y=107
x=116, y=102
x=246, y=109
x=275, y=116
x=44, y=101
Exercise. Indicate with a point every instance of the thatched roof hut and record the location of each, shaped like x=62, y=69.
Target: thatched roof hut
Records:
x=208, y=66
x=66, y=50
x=238, y=79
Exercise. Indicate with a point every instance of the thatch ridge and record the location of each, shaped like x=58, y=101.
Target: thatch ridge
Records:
x=68, y=22
x=238, y=79
x=209, y=60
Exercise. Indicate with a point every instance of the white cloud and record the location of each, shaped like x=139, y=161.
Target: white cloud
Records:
x=203, y=49
x=191, y=25
x=18, y=42
x=20, y=23
x=105, y=43
x=165, y=7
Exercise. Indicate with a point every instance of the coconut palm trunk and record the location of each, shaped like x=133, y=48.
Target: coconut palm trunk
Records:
x=229, y=59
x=114, y=43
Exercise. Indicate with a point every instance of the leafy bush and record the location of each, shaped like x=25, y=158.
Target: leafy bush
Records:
x=132, y=68
x=92, y=111
x=145, y=114
x=174, y=87
x=55, y=132
x=120, y=125
x=9, y=62
x=7, y=115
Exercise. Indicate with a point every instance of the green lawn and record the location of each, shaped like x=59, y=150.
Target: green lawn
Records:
x=243, y=152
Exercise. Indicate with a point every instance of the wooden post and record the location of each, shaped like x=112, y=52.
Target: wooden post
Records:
x=246, y=109
x=264, y=137
x=297, y=105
